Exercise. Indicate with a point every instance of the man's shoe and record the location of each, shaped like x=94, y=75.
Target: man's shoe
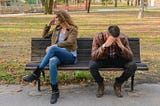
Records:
x=117, y=89
x=100, y=91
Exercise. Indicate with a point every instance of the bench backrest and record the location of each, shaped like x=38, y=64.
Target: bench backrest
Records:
x=38, y=46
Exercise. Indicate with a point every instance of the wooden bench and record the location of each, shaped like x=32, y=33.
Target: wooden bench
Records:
x=38, y=46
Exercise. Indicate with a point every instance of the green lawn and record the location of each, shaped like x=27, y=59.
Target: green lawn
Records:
x=16, y=33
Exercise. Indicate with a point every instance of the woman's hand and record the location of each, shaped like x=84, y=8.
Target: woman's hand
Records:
x=50, y=47
x=52, y=22
x=47, y=48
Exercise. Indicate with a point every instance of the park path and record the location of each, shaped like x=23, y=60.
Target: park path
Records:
x=78, y=12
x=76, y=95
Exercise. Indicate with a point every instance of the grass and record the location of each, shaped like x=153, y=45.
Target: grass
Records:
x=16, y=33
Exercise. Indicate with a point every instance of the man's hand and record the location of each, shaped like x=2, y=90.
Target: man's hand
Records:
x=119, y=43
x=110, y=40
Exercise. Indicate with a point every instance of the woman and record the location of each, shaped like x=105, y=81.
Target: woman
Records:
x=62, y=50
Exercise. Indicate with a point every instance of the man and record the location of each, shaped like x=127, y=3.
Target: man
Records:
x=111, y=49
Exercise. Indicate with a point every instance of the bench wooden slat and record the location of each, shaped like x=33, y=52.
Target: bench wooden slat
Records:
x=82, y=66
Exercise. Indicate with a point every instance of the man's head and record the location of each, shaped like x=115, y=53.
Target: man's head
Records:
x=114, y=30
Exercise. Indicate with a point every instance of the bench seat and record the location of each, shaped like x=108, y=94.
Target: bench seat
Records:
x=82, y=66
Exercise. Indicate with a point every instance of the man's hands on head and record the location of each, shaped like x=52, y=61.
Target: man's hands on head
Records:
x=113, y=41
x=110, y=40
x=119, y=43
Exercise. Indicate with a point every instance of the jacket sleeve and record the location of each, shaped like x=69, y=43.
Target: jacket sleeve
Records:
x=127, y=52
x=46, y=33
x=97, y=50
x=72, y=38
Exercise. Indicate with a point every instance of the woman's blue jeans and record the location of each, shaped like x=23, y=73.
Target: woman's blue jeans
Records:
x=55, y=57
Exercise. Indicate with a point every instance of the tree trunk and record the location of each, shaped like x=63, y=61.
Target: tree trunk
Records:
x=115, y=3
x=128, y=2
x=132, y=2
x=89, y=3
x=135, y=3
x=66, y=5
x=139, y=2
x=43, y=2
x=48, y=6
x=86, y=4
x=106, y=3
x=141, y=10
x=55, y=4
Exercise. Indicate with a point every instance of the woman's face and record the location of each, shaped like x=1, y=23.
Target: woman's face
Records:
x=57, y=20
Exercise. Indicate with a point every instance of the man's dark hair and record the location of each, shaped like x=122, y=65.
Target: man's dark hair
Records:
x=114, y=30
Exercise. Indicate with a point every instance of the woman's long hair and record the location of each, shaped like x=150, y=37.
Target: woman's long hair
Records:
x=65, y=19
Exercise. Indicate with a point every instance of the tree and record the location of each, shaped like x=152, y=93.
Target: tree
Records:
x=115, y=3
x=88, y=9
x=48, y=6
x=66, y=4
x=43, y=2
x=141, y=10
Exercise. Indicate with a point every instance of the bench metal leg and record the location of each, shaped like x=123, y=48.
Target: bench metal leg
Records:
x=132, y=83
x=39, y=84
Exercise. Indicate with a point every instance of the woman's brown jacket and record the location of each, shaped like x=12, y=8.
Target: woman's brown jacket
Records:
x=70, y=40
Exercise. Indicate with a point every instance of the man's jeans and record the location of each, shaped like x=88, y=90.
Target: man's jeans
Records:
x=55, y=57
x=129, y=68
